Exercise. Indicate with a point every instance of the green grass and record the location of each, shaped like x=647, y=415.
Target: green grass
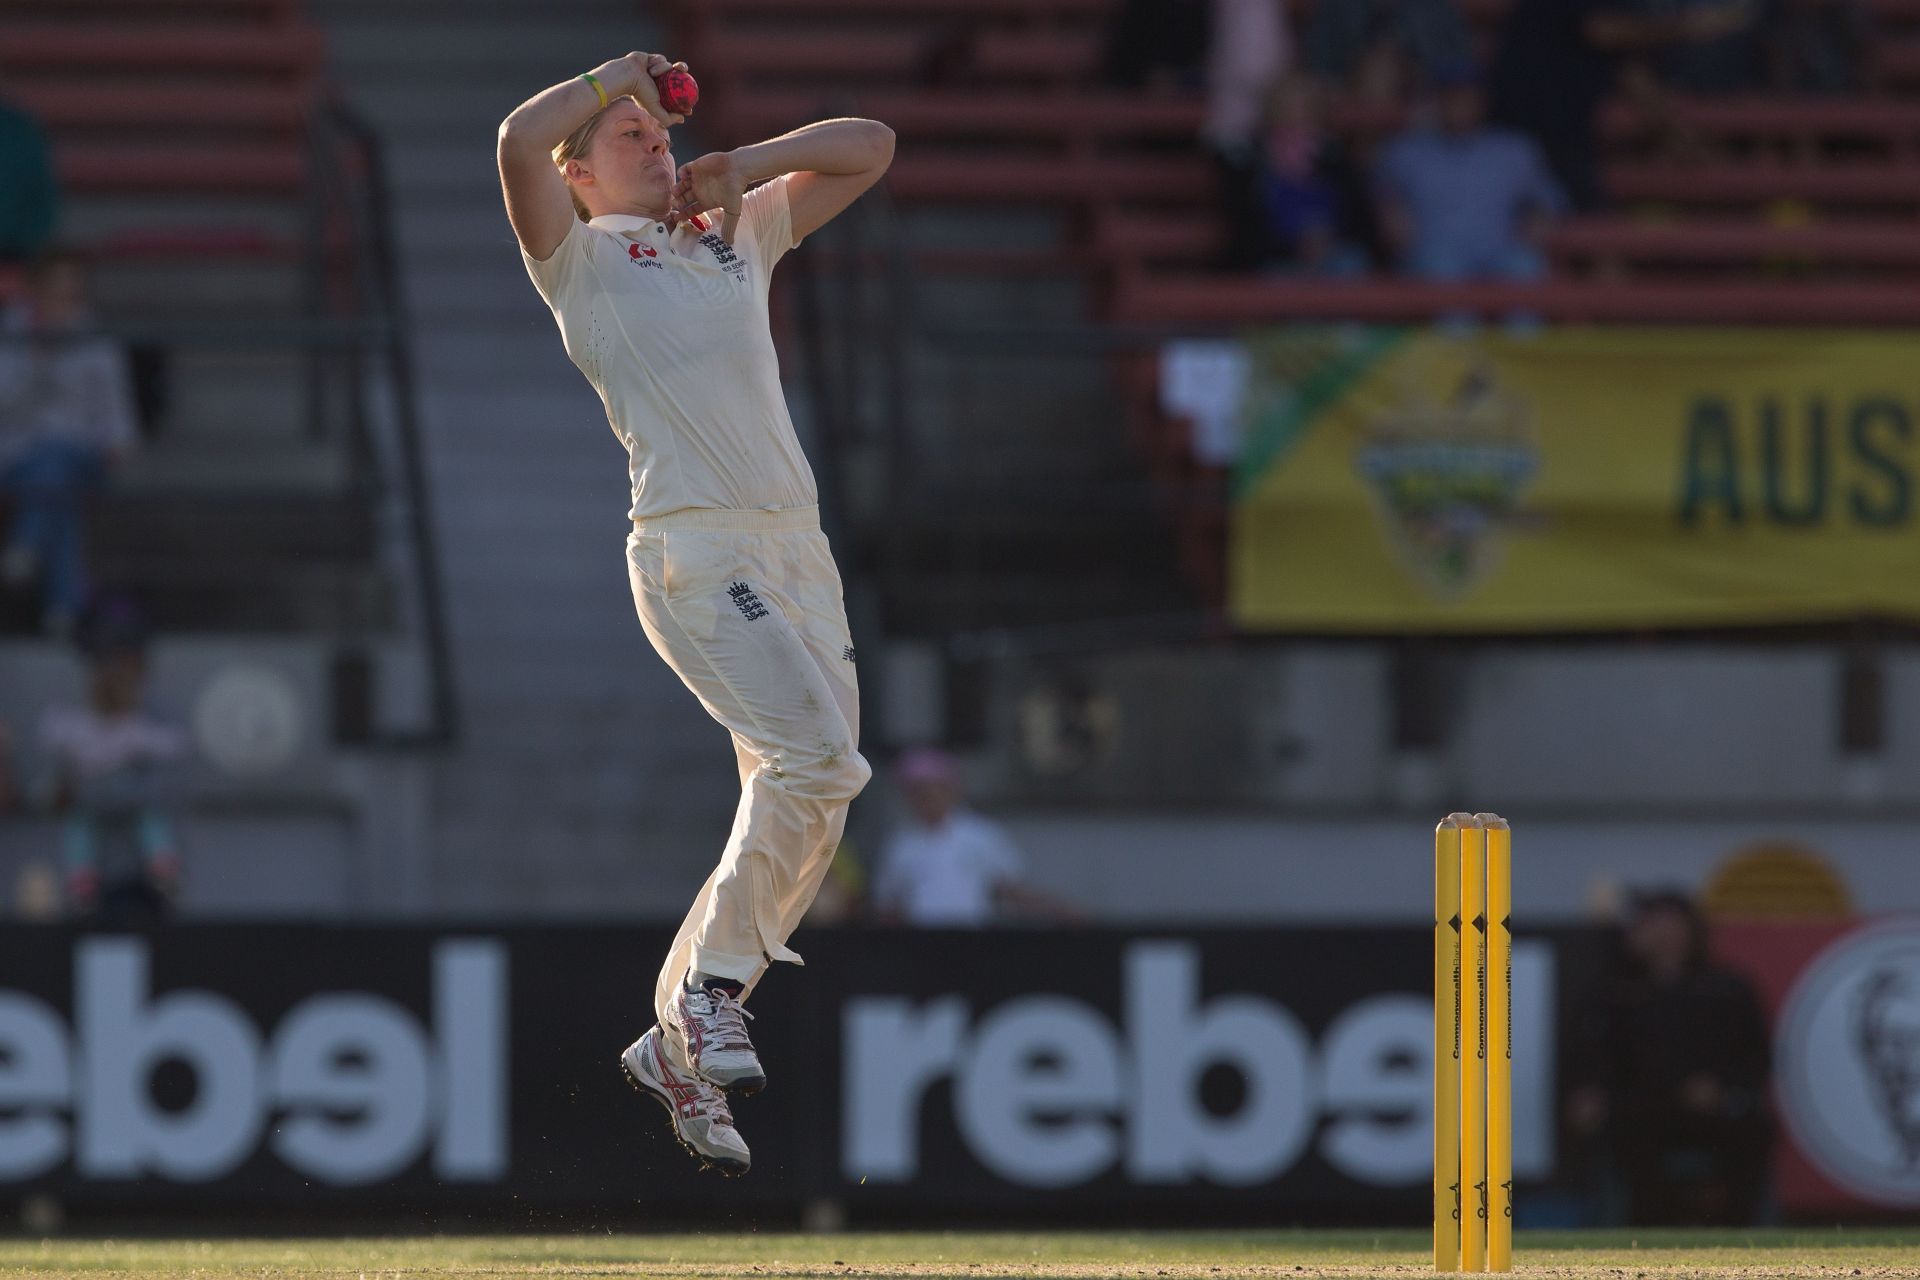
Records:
x=1650, y=1255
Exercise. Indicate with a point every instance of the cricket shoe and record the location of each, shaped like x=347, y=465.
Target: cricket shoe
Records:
x=710, y=1028
x=701, y=1119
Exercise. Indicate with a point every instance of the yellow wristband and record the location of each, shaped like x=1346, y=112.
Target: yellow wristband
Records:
x=594, y=80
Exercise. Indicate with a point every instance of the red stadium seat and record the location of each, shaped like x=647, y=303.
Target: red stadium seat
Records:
x=1181, y=300
x=257, y=11
x=229, y=169
x=1030, y=74
x=80, y=50
x=762, y=9
x=1066, y=57
x=1005, y=180
x=1899, y=61
x=61, y=106
x=955, y=114
x=811, y=54
x=1737, y=243
x=1125, y=235
x=1730, y=183
x=1891, y=121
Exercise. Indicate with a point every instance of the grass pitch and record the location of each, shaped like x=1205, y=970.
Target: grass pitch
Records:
x=1647, y=1255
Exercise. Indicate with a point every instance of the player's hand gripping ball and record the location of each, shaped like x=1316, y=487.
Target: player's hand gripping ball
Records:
x=679, y=92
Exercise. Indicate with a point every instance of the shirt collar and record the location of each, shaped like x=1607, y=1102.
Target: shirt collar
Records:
x=625, y=223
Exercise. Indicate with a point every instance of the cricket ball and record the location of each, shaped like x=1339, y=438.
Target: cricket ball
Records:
x=679, y=92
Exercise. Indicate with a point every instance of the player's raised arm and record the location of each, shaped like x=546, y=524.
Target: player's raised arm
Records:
x=538, y=204
x=832, y=162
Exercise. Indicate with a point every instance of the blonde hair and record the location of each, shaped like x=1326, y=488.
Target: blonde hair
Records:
x=576, y=146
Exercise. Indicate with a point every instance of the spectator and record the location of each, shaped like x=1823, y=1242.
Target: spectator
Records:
x=1674, y=1070
x=1312, y=196
x=29, y=192
x=1385, y=50
x=1248, y=53
x=948, y=865
x=1465, y=200
x=1158, y=44
x=66, y=418
x=109, y=762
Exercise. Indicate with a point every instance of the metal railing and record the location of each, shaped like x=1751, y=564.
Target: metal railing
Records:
x=389, y=444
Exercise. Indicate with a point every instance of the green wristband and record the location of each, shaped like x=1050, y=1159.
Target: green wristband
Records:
x=594, y=80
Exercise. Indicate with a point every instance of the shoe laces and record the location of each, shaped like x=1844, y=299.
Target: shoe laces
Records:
x=730, y=1015
x=724, y=1015
x=713, y=1102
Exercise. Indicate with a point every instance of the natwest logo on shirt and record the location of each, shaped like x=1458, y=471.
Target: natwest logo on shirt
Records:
x=643, y=255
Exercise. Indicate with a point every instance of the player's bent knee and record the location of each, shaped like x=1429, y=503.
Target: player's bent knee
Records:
x=842, y=777
x=859, y=774
x=831, y=776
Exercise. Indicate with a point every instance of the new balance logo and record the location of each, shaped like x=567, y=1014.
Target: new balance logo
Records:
x=847, y=653
x=747, y=602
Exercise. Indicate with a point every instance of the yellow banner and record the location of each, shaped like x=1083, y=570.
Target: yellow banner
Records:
x=1402, y=480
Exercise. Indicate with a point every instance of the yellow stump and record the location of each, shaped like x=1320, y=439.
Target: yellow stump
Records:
x=1447, y=934
x=1499, y=990
x=1473, y=1044
x=1473, y=1035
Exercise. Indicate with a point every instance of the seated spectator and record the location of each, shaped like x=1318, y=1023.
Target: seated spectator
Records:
x=109, y=764
x=29, y=191
x=66, y=419
x=1464, y=200
x=1385, y=50
x=1248, y=54
x=948, y=866
x=1158, y=44
x=1312, y=196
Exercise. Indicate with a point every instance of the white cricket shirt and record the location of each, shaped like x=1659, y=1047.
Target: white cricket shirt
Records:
x=947, y=875
x=672, y=330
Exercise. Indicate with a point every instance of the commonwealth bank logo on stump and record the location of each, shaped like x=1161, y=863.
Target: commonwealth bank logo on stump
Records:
x=1848, y=1046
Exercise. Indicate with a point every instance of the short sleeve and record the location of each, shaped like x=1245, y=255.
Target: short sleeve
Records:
x=767, y=218
x=556, y=275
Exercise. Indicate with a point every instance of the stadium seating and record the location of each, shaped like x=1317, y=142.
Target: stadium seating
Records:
x=1202, y=301
x=184, y=138
x=1743, y=209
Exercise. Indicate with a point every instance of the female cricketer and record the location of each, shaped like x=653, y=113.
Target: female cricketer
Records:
x=658, y=280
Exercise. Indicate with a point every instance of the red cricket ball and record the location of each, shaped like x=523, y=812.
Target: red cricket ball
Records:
x=679, y=92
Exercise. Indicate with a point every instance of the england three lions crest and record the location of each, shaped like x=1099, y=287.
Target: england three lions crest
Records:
x=1447, y=468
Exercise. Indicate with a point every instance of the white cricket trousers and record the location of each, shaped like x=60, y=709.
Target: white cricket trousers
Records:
x=746, y=607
